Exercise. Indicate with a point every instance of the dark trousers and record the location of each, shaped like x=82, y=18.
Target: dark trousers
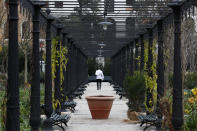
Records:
x=98, y=84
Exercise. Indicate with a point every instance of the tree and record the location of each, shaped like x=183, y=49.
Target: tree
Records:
x=24, y=45
x=107, y=67
x=189, y=44
x=3, y=19
x=3, y=31
x=88, y=8
x=3, y=59
x=91, y=66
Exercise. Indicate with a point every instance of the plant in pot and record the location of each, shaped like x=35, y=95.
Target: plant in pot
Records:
x=135, y=92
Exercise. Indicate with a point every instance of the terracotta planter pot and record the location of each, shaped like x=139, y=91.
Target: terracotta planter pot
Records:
x=100, y=106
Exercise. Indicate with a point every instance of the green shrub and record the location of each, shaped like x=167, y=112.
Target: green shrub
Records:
x=3, y=100
x=21, y=78
x=170, y=80
x=135, y=90
x=42, y=77
x=42, y=93
x=190, y=80
x=190, y=122
x=107, y=67
x=25, y=106
x=91, y=66
x=190, y=109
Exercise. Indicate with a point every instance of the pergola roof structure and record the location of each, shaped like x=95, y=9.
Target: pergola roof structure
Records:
x=81, y=18
x=132, y=20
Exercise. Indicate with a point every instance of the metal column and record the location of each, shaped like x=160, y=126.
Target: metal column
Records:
x=12, y=121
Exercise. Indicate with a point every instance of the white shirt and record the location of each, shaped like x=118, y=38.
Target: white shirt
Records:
x=99, y=74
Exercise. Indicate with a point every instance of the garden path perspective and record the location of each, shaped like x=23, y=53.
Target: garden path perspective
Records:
x=81, y=120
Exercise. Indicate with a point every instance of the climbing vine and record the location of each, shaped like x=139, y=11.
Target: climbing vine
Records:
x=54, y=54
x=150, y=82
x=63, y=62
x=60, y=54
x=138, y=57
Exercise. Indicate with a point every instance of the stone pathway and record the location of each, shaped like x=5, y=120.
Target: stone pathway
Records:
x=81, y=120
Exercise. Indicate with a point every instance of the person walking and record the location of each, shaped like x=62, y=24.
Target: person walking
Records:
x=99, y=78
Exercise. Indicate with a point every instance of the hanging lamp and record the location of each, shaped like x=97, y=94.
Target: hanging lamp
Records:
x=105, y=23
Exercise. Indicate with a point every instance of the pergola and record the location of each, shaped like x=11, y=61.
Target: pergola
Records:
x=76, y=22
x=81, y=19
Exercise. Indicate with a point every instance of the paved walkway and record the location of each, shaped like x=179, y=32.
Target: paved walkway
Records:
x=81, y=119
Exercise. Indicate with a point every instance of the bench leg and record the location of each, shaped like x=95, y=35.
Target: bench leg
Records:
x=142, y=123
x=146, y=127
x=60, y=126
x=120, y=97
x=65, y=123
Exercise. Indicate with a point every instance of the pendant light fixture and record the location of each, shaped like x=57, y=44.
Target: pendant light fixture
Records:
x=105, y=23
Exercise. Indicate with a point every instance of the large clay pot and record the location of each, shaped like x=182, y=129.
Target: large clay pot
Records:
x=100, y=106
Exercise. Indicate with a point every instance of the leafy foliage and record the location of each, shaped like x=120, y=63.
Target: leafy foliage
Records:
x=190, y=80
x=190, y=105
x=135, y=90
x=60, y=54
x=150, y=81
x=63, y=61
x=191, y=122
x=106, y=69
x=54, y=55
x=24, y=108
x=3, y=110
x=42, y=77
x=91, y=66
x=3, y=100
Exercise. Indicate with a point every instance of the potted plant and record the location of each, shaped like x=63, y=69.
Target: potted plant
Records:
x=100, y=106
x=135, y=92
